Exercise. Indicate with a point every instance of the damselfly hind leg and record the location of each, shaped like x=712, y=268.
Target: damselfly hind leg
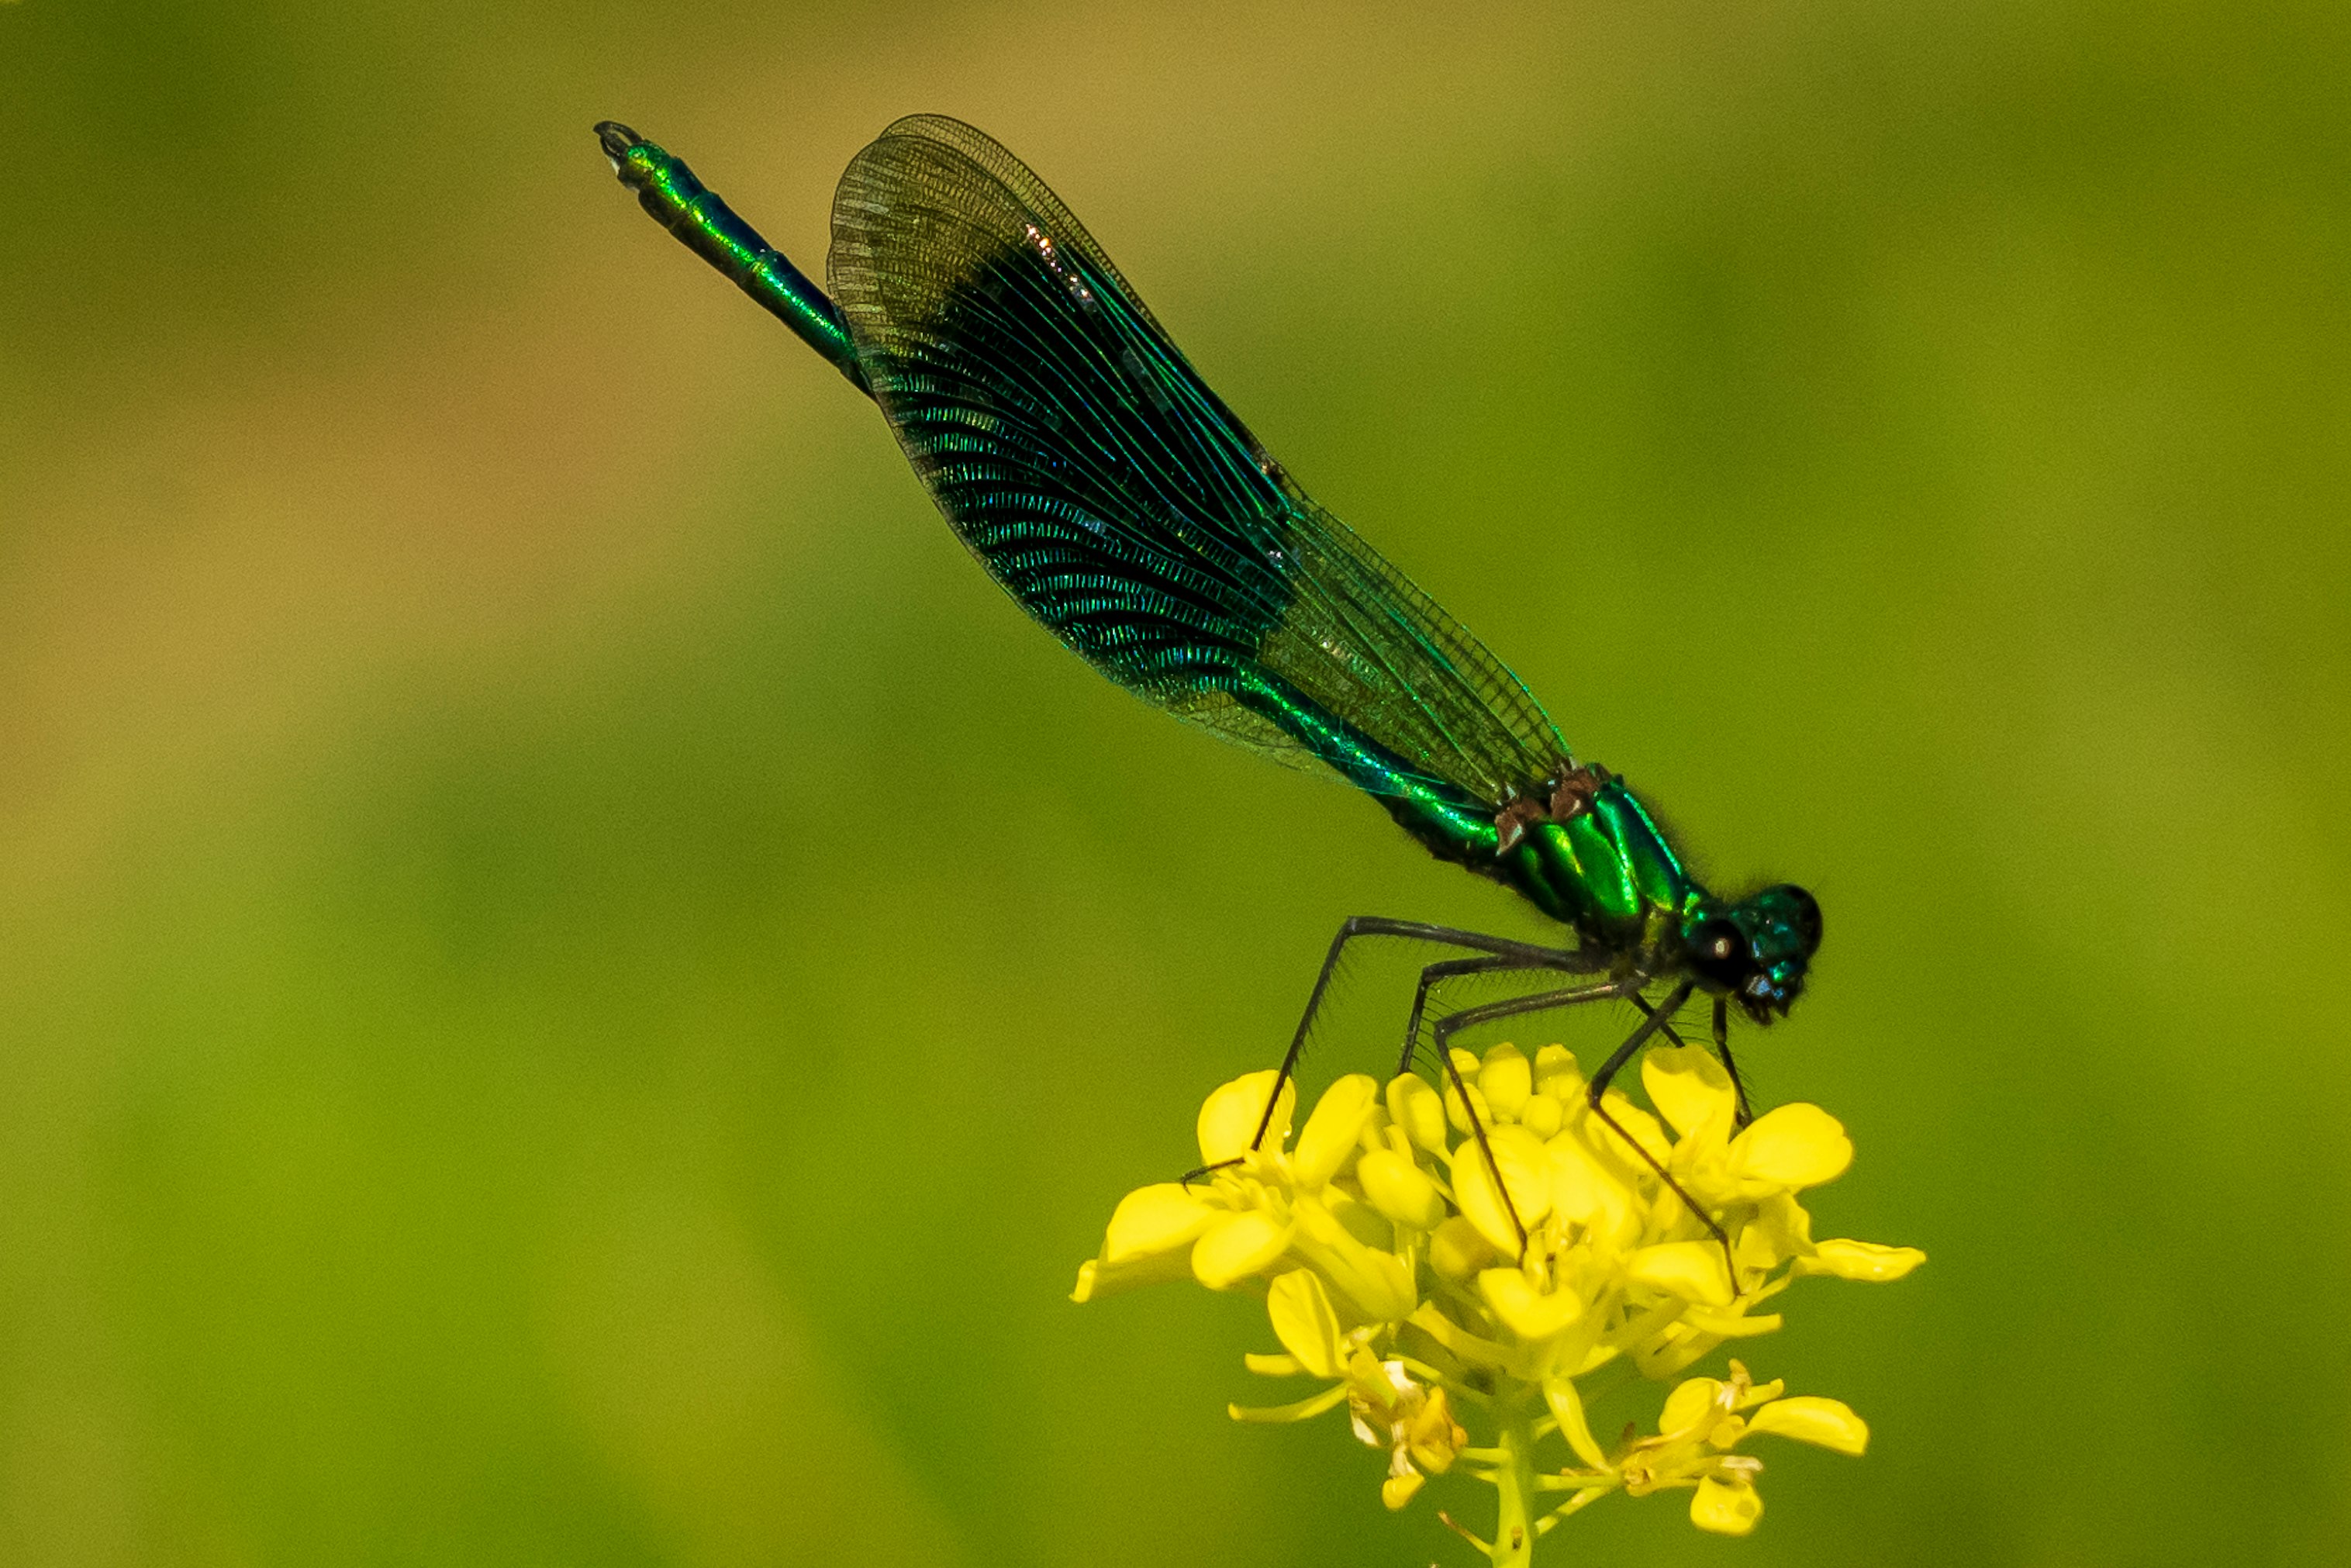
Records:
x=1434, y=974
x=1657, y=1018
x=1453, y=1023
x=1518, y=954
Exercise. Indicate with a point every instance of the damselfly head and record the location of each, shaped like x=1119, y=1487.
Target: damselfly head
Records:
x=1756, y=951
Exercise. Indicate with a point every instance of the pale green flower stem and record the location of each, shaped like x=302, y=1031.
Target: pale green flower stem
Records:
x=1509, y=1465
x=1508, y=1468
x=1514, y=1478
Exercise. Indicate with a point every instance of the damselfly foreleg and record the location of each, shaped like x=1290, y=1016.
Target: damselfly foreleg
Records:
x=1656, y=1020
x=1742, y=1115
x=1722, y=1050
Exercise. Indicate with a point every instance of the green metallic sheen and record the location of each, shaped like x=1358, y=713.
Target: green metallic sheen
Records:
x=1609, y=871
x=680, y=203
x=1116, y=498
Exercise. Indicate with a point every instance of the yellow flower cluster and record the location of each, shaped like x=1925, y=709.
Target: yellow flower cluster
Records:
x=1392, y=1270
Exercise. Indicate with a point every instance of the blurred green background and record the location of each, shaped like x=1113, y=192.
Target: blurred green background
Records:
x=574, y=982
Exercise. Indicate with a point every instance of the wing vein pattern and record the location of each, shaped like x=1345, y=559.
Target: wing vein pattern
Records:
x=1103, y=483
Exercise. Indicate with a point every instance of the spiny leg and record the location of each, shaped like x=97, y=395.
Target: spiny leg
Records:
x=1656, y=1020
x=1665, y=1025
x=1361, y=926
x=1722, y=1050
x=1526, y=955
x=1511, y=1006
x=1742, y=1117
x=1434, y=975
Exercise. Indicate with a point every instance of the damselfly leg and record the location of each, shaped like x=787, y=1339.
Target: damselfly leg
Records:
x=1520, y=955
x=1511, y=1006
x=1436, y=974
x=1722, y=1050
x=1656, y=1020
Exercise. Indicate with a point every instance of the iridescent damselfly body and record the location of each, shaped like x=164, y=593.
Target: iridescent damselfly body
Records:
x=1116, y=498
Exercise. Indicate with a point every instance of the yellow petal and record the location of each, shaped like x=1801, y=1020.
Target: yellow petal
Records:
x=1237, y=1246
x=1397, y=1490
x=1526, y=1312
x=1694, y=1271
x=1432, y=1439
x=1724, y=1326
x=1753, y=1247
x=1849, y=1259
x=1481, y=1203
x=1637, y=1123
x=1305, y=1409
x=1795, y=1147
x=1541, y=1116
x=1825, y=1423
x=1096, y=1280
x=1688, y=1087
x=1525, y=1166
x=1230, y=1118
x=1272, y=1366
x=1360, y=1220
x=1588, y=1192
x=1330, y=1131
x=1506, y=1079
x=1691, y=1401
x=1400, y=1190
x=1376, y=1285
x=1557, y=1075
x=1781, y=1221
x=1726, y=1508
x=1416, y=1108
x=1374, y=1390
x=1305, y=1323
x=1384, y=1291
x=1567, y=1409
x=1756, y=1393
x=1457, y=1250
x=1453, y=1111
x=1157, y=1218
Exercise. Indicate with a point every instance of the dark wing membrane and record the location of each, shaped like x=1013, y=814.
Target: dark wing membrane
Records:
x=1109, y=490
